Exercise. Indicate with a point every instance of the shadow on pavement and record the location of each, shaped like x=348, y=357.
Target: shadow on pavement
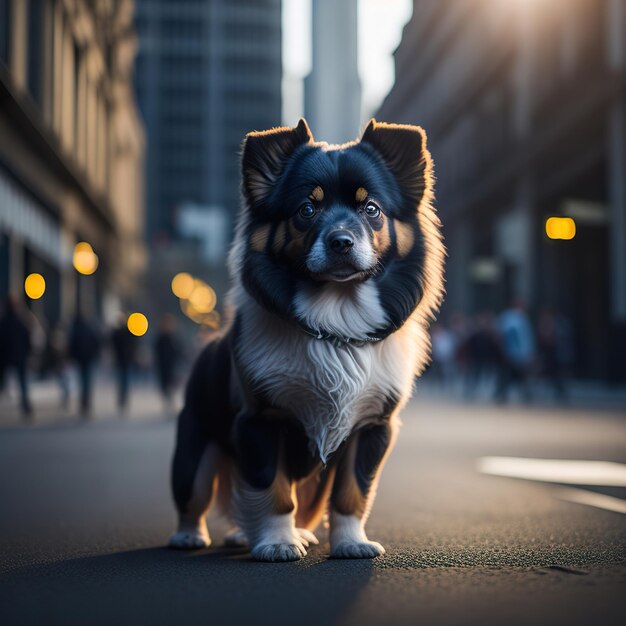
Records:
x=159, y=586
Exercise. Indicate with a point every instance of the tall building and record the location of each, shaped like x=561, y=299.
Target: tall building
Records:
x=524, y=104
x=332, y=91
x=71, y=152
x=208, y=72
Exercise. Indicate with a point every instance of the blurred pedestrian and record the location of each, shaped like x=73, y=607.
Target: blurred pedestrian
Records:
x=124, y=345
x=444, y=349
x=518, y=348
x=554, y=336
x=58, y=360
x=84, y=349
x=15, y=348
x=167, y=353
x=459, y=326
x=482, y=350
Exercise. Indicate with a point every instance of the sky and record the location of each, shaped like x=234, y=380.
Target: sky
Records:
x=380, y=24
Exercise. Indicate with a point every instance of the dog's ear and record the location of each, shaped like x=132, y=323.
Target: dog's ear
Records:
x=265, y=155
x=403, y=149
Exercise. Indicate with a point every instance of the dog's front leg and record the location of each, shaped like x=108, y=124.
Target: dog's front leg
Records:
x=263, y=497
x=354, y=491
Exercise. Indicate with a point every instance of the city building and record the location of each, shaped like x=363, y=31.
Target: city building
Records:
x=208, y=72
x=524, y=104
x=71, y=153
x=332, y=91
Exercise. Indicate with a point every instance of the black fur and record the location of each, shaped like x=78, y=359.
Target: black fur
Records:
x=206, y=417
x=392, y=164
x=281, y=169
x=371, y=447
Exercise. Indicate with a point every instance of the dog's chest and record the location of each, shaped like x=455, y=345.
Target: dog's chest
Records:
x=330, y=390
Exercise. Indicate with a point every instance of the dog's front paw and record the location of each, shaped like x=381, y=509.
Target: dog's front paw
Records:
x=190, y=540
x=307, y=537
x=278, y=552
x=357, y=550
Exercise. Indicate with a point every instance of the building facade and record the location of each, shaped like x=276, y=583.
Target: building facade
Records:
x=71, y=152
x=332, y=91
x=524, y=104
x=208, y=72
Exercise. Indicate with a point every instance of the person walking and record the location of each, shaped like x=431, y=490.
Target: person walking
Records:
x=124, y=345
x=554, y=333
x=166, y=355
x=15, y=348
x=57, y=361
x=444, y=349
x=84, y=349
x=483, y=352
x=518, y=349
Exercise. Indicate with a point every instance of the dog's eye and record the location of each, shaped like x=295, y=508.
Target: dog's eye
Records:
x=372, y=210
x=307, y=210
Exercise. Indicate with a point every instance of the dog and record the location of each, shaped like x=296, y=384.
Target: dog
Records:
x=337, y=271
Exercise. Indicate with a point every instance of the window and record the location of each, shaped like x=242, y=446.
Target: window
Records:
x=78, y=92
x=35, y=37
x=5, y=29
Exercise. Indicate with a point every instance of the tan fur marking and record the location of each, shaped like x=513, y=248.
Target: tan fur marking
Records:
x=317, y=194
x=279, y=238
x=404, y=237
x=361, y=194
x=258, y=239
x=312, y=495
x=347, y=497
x=283, y=492
x=296, y=246
x=382, y=240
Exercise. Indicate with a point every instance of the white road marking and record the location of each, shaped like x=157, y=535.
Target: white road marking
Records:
x=590, y=498
x=604, y=473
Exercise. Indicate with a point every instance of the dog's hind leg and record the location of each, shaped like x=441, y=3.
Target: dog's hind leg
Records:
x=194, y=472
x=354, y=490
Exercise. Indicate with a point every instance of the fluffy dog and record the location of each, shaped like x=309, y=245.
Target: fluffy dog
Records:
x=337, y=270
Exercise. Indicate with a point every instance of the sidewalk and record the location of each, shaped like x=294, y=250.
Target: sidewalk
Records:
x=145, y=403
x=581, y=394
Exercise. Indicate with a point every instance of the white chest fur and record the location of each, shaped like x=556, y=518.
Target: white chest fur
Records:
x=329, y=389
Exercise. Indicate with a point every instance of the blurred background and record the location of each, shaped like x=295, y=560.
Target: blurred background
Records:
x=121, y=123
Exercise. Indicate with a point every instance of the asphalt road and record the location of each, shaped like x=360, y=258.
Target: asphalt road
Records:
x=85, y=511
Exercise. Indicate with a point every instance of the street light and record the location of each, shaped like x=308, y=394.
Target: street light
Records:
x=182, y=285
x=35, y=286
x=85, y=259
x=203, y=298
x=561, y=228
x=137, y=324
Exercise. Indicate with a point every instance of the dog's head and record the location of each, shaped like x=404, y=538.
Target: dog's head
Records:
x=346, y=214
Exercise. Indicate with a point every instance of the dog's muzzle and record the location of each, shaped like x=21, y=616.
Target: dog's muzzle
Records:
x=340, y=241
x=341, y=254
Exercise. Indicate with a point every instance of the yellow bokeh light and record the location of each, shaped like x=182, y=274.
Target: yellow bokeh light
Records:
x=190, y=311
x=561, y=228
x=183, y=285
x=137, y=324
x=35, y=286
x=83, y=246
x=203, y=298
x=85, y=260
x=212, y=320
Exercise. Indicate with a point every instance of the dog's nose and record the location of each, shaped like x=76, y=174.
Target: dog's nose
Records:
x=340, y=241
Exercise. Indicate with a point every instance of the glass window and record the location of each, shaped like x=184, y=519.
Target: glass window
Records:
x=5, y=21
x=35, y=36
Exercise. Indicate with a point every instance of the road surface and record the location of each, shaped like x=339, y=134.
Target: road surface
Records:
x=86, y=511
